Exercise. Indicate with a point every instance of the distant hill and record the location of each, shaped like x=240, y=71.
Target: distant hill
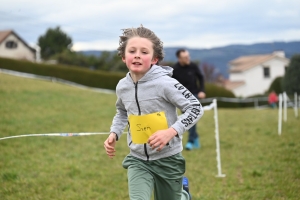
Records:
x=220, y=56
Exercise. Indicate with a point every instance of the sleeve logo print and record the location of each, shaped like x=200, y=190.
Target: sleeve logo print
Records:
x=196, y=108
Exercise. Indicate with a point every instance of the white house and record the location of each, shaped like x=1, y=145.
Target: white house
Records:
x=13, y=46
x=252, y=75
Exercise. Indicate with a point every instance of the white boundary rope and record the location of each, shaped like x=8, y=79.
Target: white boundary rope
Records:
x=235, y=100
x=209, y=107
x=55, y=135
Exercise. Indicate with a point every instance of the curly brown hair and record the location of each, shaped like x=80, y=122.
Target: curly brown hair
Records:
x=143, y=33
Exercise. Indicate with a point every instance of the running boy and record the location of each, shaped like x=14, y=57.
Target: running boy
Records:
x=147, y=99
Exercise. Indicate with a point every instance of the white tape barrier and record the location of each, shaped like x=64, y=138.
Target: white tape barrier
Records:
x=255, y=101
x=209, y=107
x=235, y=100
x=214, y=106
x=54, y=79
x=55, y=135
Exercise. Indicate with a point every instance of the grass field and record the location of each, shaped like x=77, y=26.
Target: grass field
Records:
x=257, y=162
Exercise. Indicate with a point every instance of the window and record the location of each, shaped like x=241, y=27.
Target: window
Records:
x=11, y=44
x=266, y=72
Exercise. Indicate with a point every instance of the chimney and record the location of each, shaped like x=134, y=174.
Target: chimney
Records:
x=279, y=54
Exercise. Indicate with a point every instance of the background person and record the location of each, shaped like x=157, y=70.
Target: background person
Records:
x=189, y=75
x=273, y=99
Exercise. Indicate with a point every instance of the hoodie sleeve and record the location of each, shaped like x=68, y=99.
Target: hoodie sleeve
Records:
x=120, y=119
x=183, y=99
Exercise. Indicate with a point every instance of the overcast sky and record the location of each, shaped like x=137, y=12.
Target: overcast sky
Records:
x=96, y=24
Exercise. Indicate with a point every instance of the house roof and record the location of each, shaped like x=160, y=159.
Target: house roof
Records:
x=230, y=85
x=247, y=62
x=4, y=34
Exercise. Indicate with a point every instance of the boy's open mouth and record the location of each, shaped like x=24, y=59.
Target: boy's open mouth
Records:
x=137, y=63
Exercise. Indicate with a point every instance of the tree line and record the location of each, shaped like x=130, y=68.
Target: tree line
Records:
x=56, y=44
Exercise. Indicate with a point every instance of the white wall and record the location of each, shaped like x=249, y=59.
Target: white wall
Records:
x=240, y=91
x=21, y=52
x=255, y=82
x=277, y=67
x=236, y=76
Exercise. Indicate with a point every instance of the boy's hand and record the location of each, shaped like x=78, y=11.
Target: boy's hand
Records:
x=110, y=144
x=160, y=138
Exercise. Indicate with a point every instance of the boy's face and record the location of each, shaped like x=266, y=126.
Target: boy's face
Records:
x=139, y=55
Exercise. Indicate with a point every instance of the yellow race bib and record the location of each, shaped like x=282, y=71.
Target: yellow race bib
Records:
x=143, y=126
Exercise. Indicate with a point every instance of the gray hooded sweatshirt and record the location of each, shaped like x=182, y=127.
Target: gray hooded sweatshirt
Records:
x=156, y=91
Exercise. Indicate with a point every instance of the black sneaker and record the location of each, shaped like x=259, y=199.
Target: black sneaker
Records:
x=185, y=185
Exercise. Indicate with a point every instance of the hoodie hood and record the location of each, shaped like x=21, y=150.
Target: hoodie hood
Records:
x=154, y=73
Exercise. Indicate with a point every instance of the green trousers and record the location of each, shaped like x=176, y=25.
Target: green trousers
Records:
x=164, y=176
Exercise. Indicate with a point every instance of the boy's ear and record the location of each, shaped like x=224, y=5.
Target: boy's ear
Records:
x=154, y=61
x=123, y=59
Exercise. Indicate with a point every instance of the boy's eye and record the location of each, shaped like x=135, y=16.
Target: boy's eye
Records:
x=144, y=52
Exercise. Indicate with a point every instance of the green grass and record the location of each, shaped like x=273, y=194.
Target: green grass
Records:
x=257, y=162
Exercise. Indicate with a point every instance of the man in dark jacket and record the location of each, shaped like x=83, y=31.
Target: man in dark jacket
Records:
x=189, y=75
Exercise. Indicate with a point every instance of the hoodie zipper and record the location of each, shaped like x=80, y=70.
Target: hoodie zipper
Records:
x=136, y=98
x=138, y=105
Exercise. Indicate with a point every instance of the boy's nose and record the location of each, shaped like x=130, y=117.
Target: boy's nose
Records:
x=137, y=55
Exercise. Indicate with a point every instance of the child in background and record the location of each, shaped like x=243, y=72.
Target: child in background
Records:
x=147, y=99
x=273, y=99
